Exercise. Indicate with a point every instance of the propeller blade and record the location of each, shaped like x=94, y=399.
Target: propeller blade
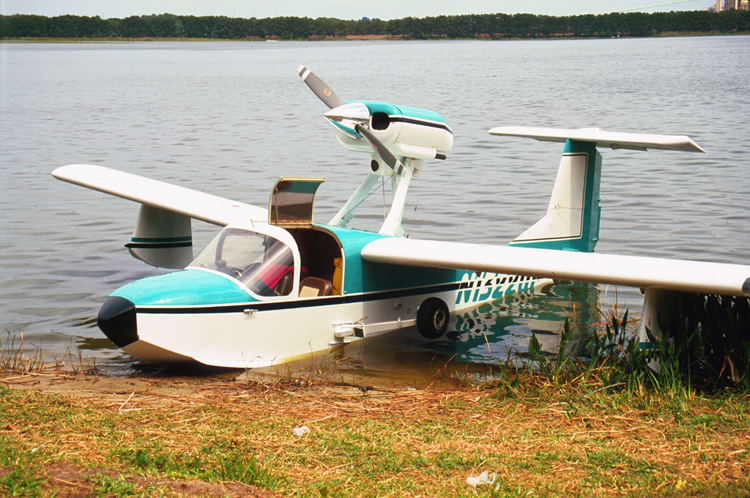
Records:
x=319, y=88
x=383, y=151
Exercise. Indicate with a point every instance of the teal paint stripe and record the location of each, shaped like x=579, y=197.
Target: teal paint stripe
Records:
x=422, y=114
x=383, y=107
x=591, y=207
x=409, y=112
x=557, y=244
x=345, y=129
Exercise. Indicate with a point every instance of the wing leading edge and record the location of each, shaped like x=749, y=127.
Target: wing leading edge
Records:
x=631, y=271
x=180, y=200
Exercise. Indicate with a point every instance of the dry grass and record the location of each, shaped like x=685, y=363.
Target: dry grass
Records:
x=17, y=358
x=538, y=439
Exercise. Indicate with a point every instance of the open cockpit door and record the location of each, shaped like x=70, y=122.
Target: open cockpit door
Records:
x=291, y=202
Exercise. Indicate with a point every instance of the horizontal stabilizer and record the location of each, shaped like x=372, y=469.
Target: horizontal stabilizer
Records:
x=602, y=138
x=180, y=200
x=631, y=271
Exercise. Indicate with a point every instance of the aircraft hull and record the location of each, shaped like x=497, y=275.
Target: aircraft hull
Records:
x=258, y=334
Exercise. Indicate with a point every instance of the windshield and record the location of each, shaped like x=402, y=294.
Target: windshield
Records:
x=264, y=264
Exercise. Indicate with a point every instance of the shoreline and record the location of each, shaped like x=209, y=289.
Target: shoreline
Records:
x=87, y=435
x=355, y=38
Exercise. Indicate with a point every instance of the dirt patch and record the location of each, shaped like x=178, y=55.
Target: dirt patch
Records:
x=88, y=386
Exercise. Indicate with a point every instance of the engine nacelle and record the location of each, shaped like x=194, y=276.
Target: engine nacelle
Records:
x=407, y=132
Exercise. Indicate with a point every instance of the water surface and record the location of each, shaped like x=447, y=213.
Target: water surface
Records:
x=229, y=118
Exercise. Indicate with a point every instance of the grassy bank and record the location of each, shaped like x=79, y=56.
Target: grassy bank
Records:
x=609, y=417
x=89, y=436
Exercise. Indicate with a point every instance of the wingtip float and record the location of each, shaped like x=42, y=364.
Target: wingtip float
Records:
x=273, y=285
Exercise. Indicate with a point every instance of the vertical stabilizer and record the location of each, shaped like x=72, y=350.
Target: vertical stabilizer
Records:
x=572, y=219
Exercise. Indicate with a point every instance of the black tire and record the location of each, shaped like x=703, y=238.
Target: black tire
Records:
x=432, y=318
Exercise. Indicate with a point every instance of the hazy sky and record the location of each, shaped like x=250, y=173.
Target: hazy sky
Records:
x=341, y=9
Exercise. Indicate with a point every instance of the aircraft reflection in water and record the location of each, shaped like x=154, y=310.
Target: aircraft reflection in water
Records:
x=492, y=331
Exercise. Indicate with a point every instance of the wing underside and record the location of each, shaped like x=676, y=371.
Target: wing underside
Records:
x=164, y=196
x=631, y=271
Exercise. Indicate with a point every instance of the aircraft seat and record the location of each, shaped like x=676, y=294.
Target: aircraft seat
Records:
x=284, y=285
x=314, y=286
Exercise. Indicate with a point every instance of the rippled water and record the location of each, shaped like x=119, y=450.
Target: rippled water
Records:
x=229, y=118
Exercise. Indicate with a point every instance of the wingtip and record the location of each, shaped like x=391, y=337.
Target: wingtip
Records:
x=62, y=172
x=696, y=147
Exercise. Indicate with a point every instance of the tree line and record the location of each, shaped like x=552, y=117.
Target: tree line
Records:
x=304, y=28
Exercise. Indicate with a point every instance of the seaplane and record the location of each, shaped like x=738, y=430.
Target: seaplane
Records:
x=274, y=285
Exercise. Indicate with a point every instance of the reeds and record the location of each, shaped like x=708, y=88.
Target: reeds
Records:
x=13, y=358
x=705, y=347
x=17, y=359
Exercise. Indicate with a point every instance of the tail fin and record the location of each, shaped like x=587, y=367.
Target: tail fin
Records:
x=572, y=219
x=573, y=214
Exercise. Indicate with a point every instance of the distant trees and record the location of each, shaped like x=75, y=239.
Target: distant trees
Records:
x=301, y=28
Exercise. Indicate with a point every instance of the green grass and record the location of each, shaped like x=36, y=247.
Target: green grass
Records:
x=542, y=439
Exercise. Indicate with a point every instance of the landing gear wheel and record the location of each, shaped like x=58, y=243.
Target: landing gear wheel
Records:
x=432, y=318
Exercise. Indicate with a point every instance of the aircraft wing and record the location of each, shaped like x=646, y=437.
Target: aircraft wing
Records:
x=631, y=271
x=602, y=138
x=180, y=200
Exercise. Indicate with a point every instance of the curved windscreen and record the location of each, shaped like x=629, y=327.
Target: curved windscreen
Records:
x=264, y=264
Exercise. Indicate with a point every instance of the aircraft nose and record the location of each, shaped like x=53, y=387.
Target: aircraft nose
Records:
x=117, y=321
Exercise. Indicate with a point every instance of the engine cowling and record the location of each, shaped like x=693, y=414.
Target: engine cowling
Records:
x=406, y=131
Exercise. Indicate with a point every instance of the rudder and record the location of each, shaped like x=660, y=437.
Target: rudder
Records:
x=572, y=219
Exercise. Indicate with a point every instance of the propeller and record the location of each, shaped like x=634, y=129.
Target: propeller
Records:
x=319, y=88
x=379, y=147
x=354, y=114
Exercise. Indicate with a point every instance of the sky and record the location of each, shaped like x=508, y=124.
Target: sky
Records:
x=340, y=9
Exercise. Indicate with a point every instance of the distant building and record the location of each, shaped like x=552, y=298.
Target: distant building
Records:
x=731, y=4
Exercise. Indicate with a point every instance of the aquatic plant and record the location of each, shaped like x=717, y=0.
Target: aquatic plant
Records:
x=705, y=346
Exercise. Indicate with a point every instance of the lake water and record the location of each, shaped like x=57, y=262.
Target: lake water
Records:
x=229, y=118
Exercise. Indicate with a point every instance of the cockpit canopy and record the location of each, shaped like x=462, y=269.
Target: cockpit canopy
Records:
x=263, y=263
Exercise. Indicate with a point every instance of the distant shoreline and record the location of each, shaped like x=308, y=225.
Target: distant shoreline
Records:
x=462, y=27
x=347, y=38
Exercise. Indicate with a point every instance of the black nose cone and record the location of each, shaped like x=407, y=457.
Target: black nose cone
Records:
x=117, y=321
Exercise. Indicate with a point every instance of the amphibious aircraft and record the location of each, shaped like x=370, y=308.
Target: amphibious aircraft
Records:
x=274, y=285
